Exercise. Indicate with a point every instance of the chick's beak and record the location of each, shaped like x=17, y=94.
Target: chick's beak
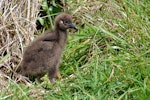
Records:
x=73, y=26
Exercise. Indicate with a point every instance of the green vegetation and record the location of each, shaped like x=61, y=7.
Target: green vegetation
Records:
x=48, y=10
x=107, y=59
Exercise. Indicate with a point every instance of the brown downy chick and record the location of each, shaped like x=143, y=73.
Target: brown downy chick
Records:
x=43, y=55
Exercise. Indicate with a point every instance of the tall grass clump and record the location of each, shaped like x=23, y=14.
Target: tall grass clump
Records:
x=17, y=28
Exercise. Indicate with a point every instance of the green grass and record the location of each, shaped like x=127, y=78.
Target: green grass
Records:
x=108, y=60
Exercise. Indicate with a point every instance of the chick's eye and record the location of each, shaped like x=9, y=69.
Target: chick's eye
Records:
x=66, y=22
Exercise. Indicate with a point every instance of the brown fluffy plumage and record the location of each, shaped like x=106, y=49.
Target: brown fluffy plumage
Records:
x=43, y=55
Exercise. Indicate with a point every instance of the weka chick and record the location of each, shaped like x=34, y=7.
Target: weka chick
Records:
x=43, y=55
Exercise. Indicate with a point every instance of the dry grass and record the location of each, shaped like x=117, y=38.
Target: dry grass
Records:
x=93, y=11
x=17, y=28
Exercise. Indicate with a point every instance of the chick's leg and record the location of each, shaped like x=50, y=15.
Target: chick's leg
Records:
x=51, y=74
x=58, y=75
